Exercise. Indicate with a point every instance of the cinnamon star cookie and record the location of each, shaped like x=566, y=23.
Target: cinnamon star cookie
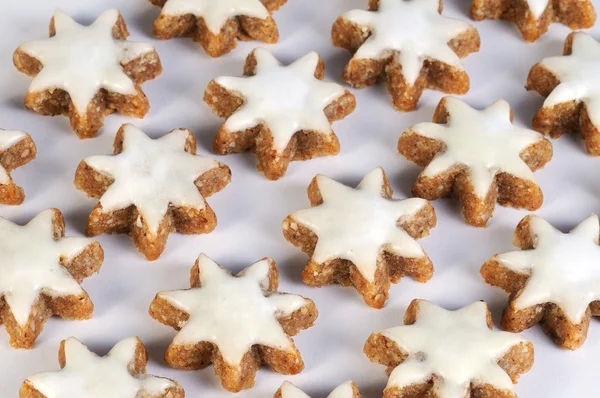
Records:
x=237, y=323
x=151, y=187
x=87, y=72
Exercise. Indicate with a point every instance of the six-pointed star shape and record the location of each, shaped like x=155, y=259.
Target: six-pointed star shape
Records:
x=16, y=149
x=554, y=280
x=235, y=322
x=151, y=187
x=40, y=273
x=121, y=373
x=282, y=113
x=571, y=84
x=451, y=354
x=361, y=236
x=533, y=17
x=409, y=42
x=479, y=154
x=346, y=390
x=94, y=69
x=217, y=24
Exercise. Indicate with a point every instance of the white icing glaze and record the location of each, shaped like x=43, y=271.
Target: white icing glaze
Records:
x=457, y=346
x=8, y=138
x=86, y=375
x=564, y=269
x=152, y=174
x=537, y=7
x=84, y=59
x=413, y=28
x=578, y=75
x=358, y=224
x=30, y=263
x=286, y=99
x=216, y=12
x=484, y=141
x=288, y=390
x=233, y=312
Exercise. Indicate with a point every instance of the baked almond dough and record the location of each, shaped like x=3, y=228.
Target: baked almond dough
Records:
x=40, y=275
x=121, y=373
x=151, y=187
x=217, y=24
x=282, y=113
x=361, y=236
x=533, y=17
x=87, y=72
x=407, y=43
x=16, y=149
x=347, y=390
x=237, y=323
x=441, y=353
x=479, y=155
x=571, y=85
x=553, y=280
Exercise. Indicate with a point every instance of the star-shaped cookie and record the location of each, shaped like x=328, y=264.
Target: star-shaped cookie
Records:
x=533, y=17
x=121, y=373
x=40, y=275
x=151, y=187
x=449, y=354
x=409, y=44
x=478, y=154
x=87, y=72
x=361, y=236
x=217, y=25
x=16, y=149
x=236, y=322
x=571, y=84
x=282, y=113
x=347, y=390
x=554, y=279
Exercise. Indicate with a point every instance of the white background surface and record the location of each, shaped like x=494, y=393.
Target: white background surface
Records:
x=251, y=208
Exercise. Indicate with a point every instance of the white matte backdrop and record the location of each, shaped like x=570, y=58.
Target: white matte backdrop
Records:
x=251, y=208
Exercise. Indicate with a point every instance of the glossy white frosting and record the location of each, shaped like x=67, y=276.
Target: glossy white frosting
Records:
x=456, y=346
x=286, y=99
x=152, y=174
x=578, y=75
x=84, y=59
x=86, y=375
x=484, y=141
x=359, y=224
x=563, y=269
x=234, y=313
x=288, y=390
x=30, y=263
x=8, y=138
x=413, y=28
x=216, y=12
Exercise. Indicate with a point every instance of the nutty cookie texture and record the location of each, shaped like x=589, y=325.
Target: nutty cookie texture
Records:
x=347, y=390
x=571, y=84
x=87, y=72
x=479, y=155
x=16, y=149
x=553, y=280
x=409, y=44
x=237, y=323
x=151, y=187
x=217, y=24
x=282, y=113
x=361, y=236
x=40, y=275
x=449, y=354
x=121, y=373
x=533, y=17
